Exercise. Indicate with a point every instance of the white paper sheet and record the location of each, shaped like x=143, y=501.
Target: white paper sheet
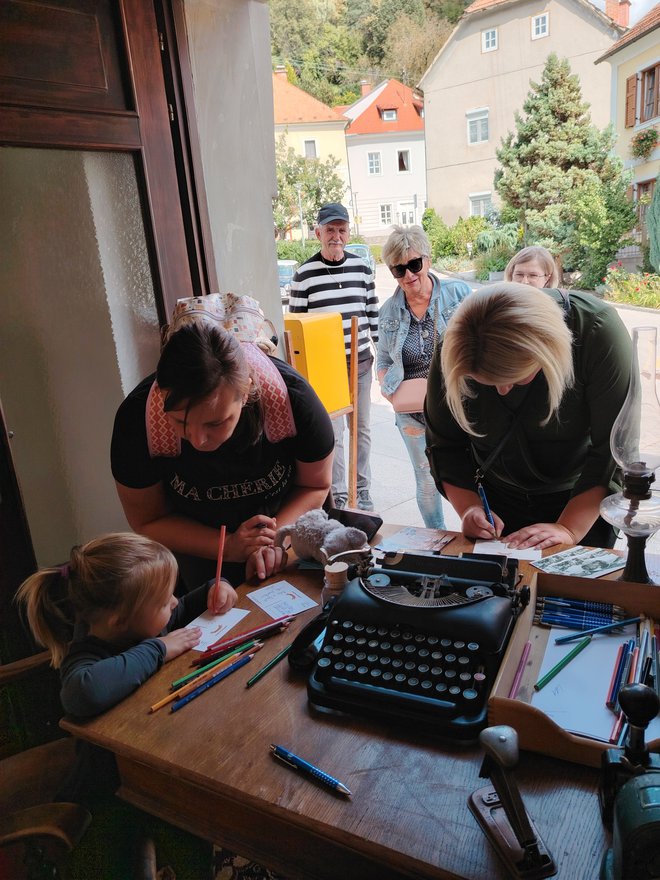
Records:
x=500, y=548
x=280, y=599
x=215, y=626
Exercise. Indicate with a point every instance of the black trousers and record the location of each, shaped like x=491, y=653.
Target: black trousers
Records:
x=519, y=509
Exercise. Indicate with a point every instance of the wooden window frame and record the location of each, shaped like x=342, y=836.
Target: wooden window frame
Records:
x=654, y=71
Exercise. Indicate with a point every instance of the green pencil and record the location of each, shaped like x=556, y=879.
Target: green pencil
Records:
x=186, y=678
x=264, y=669
x=541, y=683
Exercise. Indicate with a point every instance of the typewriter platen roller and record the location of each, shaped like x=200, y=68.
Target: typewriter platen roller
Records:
x=418, y=637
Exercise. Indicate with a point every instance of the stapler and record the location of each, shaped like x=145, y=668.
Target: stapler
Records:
x=630, y=794
x=500, y=810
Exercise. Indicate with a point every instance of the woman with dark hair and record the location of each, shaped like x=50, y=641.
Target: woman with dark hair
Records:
x=222, y=435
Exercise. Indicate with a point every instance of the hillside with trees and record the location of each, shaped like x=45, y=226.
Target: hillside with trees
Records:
x=329, y=46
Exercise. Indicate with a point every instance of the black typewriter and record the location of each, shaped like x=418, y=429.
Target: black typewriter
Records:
x=418, y=637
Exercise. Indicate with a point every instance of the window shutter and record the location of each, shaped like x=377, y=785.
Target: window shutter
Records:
x=631, y=100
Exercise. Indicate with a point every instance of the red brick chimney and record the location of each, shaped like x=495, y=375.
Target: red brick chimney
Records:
x=618, y=11
x=280, y=70
x=365, y=87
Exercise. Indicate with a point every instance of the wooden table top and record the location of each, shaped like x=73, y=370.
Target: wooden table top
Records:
x=208, y=768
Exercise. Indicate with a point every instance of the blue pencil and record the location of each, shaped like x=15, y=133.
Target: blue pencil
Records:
x=179, y=704
x=486, y=506
x=598, y=629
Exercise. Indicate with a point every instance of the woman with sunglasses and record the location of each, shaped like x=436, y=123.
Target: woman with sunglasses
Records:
x=408, y=325
x=534, y=266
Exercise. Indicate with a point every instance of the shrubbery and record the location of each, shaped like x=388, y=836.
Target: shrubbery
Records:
x=297, y=250
x=448, y=241
x=640, y=289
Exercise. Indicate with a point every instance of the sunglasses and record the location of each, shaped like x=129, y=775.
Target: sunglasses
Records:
x=414, y=266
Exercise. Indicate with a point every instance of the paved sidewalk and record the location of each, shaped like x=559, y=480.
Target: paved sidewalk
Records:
x=392, y=478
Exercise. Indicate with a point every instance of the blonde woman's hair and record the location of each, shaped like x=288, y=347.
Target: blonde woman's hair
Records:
x=541, y=255
x=115, y=572
x=403, y=239
x=502, y=334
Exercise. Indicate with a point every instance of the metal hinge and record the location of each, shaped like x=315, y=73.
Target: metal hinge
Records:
x=171, y=109
x=161, y=40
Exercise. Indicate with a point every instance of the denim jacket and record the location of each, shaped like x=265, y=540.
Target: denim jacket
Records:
x=394, y=324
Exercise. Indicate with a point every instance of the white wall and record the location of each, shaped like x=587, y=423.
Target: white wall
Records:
x=229, y=43
x=391, y=186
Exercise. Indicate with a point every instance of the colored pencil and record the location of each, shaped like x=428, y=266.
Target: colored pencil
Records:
x=519, y=671
x=262, y=631
x=239, y=649
x=264, y=669
x=221, y=553
x=179, y=704
x=610, y=702
x=186, y=689
x=557, y=668
x=588, y=632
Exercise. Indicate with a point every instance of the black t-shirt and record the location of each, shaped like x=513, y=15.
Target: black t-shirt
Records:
x=237, y=480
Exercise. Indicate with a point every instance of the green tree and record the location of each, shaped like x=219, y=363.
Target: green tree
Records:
x=653, y=226
x=317, y=181
x=383, y=15
x=554, y=163
x=412, y=45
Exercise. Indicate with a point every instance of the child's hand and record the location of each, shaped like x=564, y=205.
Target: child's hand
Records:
x=221, y=598
x=265, y=562
x=180, y=641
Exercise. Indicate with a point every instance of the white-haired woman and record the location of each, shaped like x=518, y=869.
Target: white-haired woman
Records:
x=408, y=325
x=521, y=398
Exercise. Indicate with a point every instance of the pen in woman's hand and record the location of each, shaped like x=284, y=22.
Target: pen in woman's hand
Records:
x=484, y=501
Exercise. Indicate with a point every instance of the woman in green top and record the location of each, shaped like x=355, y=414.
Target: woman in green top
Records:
x=522, y=394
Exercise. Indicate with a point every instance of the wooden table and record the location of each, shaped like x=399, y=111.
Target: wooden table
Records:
x=207, y=768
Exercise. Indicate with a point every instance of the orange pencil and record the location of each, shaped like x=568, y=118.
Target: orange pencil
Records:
x=221, y=551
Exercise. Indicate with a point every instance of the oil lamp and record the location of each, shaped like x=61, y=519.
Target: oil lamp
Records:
x=635, y=445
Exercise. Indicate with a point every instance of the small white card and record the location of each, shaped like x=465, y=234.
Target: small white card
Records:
x=215, y=626
x=501, y=548
x=281, y=599
x=415, y=538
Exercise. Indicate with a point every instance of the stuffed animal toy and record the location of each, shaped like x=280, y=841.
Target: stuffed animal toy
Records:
x=315, y=536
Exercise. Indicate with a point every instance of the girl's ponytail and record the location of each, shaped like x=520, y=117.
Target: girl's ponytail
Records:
x=50, y=613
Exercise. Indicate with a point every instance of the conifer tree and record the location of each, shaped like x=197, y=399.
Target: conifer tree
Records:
x=653, y=226
x=555, y=155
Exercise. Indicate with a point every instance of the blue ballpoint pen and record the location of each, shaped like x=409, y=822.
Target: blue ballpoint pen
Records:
x=486, y=506
x=305, y=767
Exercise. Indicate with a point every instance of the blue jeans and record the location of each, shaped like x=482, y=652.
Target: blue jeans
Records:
x=429, y=499
x=339, y=487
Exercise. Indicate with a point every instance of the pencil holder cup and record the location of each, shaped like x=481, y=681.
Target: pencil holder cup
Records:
x=334, y=581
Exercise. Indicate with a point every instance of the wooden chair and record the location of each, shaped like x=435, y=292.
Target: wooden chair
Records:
x=30, y=781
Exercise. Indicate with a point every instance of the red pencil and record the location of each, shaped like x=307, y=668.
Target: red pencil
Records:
x=263, y=631
x=221, y=551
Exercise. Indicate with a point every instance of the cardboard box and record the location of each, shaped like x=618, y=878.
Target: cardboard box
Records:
x=537, y=732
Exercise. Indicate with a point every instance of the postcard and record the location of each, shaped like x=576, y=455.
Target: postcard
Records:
x=586, y=562
x=281, y=599
x=216, y=626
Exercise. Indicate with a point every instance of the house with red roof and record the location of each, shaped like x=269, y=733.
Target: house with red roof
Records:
x=313, y=129
x=386, y=158
x=635, y=68
x=482, y=75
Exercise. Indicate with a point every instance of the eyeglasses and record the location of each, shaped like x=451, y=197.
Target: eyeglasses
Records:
x=518, y=276
x=414, y=266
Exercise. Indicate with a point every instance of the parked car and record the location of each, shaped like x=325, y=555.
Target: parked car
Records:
x=364, y=251
x=286, y=269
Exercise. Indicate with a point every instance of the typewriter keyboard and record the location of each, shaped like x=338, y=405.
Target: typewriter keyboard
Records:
x=404, y=667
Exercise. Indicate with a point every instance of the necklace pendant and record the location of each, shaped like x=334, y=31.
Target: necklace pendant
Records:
x=340, y=285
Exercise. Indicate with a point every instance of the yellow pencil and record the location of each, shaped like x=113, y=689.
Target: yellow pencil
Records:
x=195, y=683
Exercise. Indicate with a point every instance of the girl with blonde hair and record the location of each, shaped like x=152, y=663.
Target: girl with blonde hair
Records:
x=522, y=394
x=110, y=619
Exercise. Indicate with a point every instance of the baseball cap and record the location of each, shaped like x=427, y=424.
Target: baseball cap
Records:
x=333, y=211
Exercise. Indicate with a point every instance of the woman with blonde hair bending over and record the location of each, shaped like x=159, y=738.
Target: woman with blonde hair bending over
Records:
x=534, y=266
x=521, y=399
x=408, y=325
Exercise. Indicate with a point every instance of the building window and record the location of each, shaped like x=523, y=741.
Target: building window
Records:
x=477, y=126
x=481, y=204
x=386, y=215
x=406, y=213
x=373, y=160
x=650, y=93
x=403, y=160
x=389, y=115
x=489, y=40
x=644, y=194
x=310, y=150
x=540, y=26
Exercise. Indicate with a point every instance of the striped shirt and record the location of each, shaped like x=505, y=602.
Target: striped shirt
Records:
x=347, y=287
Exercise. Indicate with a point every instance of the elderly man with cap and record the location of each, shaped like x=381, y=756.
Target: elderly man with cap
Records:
x=335, y=280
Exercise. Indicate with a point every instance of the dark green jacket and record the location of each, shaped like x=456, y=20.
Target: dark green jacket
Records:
x=573, y=450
